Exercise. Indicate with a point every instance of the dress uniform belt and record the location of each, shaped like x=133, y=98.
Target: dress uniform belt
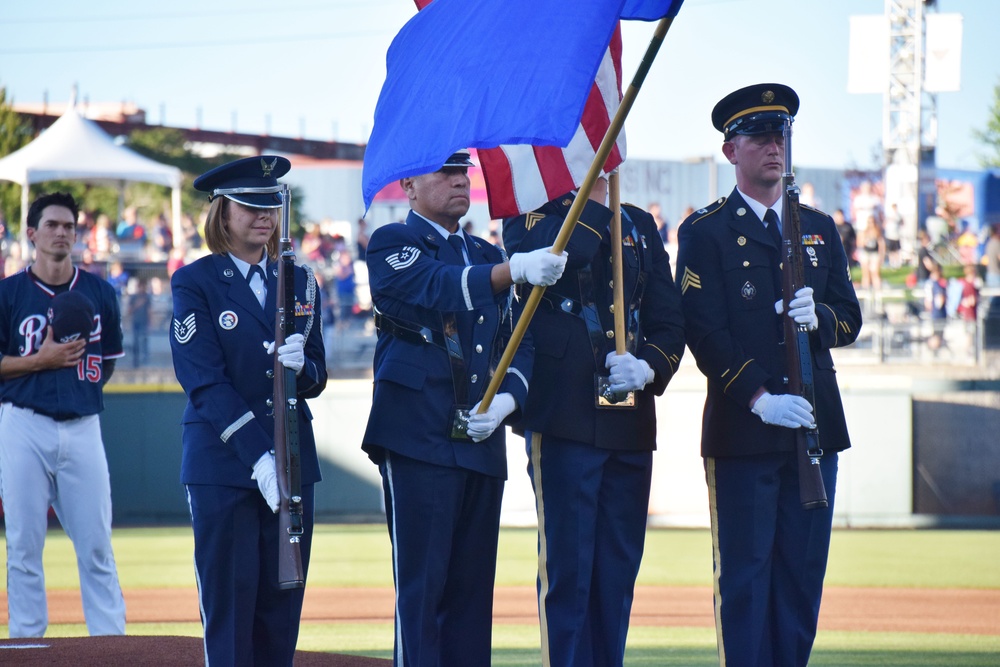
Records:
x=412, y=332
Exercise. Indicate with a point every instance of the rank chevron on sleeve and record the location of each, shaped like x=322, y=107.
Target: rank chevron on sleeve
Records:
x=690, y=279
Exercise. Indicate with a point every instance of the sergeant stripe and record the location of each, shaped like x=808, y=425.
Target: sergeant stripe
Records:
x=518, y=373
x=235, y=426
x=737, y=374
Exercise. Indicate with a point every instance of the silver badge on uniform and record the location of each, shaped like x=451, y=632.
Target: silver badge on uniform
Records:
x=228, y=273
x=184, y=330
x=811, y=251
x=748, y=291
x=228, y=320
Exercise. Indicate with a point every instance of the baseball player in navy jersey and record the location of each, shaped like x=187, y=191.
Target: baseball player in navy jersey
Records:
x=224, y=318
x=442, y=302
x=51, y=451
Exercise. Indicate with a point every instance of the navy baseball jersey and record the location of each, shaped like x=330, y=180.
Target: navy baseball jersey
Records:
x=66, y=392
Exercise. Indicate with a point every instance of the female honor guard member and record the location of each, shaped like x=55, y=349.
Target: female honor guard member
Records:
x=224, y=320
x=591, y=459
x=442, y=312
x=770, y=553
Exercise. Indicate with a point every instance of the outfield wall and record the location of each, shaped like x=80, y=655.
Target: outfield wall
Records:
x=923, y=449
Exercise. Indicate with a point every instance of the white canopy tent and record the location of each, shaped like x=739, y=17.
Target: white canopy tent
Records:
x=75, y=148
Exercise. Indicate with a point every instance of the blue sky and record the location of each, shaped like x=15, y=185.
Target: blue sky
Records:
x=315, y=68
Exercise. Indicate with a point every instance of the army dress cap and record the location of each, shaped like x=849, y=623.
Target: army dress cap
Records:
x=462, y=158
x=262, y=171
x=71, y=315
x=757, y=109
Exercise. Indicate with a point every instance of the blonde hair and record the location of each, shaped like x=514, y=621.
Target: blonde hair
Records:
x=217, y=234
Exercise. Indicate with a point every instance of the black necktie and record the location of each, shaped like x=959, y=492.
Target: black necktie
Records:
x=771, y=218
x=458, y=243
x=255, y=269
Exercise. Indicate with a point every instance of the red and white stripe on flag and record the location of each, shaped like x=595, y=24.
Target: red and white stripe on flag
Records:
x=520, y=178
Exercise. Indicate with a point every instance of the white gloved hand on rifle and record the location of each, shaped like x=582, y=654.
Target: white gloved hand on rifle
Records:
x=481, y=426
x=802, y=308
x=267, y=479
x=786, y=410
x=292, y=354
x=538, y=267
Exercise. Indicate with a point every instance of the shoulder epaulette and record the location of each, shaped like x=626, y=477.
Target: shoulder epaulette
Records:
x=705, y=212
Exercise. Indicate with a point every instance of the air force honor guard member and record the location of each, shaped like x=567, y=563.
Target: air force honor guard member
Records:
x=51, y=453
x=442, y=308
x=770, y=553
x=223, y=322
x=590, y=460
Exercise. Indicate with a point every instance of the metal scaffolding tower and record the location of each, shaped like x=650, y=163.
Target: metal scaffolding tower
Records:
x=909, y=131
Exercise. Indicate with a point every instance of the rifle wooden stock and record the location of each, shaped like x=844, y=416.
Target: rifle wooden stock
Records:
x=812, y=492
x=286, y=424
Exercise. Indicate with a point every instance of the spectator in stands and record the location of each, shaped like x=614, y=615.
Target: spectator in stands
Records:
x=662, y=227
x=968, y=307
x=848, y=237
x=924, y=258
x=343, y=274
x=935, y=303
x=163, y=237
x=991, y=257
x=892, y=231
x=101, y=239
x=362, y=239
x=138, y=313
x=118, y=277
x=872, y=254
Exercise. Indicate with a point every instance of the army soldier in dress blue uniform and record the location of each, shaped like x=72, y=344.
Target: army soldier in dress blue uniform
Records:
x=590, y=458
x=443, y=311
x=770, y=553
x=223, y=328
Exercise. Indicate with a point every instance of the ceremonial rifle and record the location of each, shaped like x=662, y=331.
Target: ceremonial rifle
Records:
x=286, y=418
x=798, y=354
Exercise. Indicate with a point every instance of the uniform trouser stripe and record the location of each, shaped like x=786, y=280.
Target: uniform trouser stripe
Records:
x=716, y=559
x=543, y=580
x=395, y=564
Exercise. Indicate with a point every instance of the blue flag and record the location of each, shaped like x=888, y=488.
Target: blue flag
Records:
x=463, y=74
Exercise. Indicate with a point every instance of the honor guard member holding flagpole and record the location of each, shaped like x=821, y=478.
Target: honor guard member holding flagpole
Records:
x=222, y=343
x=590, y=453
x=770, y=553
x=442, y=309
x=60, y=335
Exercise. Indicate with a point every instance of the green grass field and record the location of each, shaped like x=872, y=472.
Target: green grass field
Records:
x=358, y=555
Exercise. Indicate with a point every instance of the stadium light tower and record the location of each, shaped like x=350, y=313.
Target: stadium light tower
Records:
x=907, y=55
x=909, y=117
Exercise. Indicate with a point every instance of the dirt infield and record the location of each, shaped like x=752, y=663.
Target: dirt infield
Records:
x=958, y=611
x=851, y=609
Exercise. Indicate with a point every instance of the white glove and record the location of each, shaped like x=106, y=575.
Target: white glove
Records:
x=481, y=426
x=292, y=354
x=627, y=372
x=786, y=410
x=267, y=479
x=802, y=308
x=538, y=267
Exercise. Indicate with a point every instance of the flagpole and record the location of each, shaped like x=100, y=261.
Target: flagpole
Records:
x=573, y=216
x=614, y=199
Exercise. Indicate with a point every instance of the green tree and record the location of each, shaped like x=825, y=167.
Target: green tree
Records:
x=990, y=137
x=15, y=133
